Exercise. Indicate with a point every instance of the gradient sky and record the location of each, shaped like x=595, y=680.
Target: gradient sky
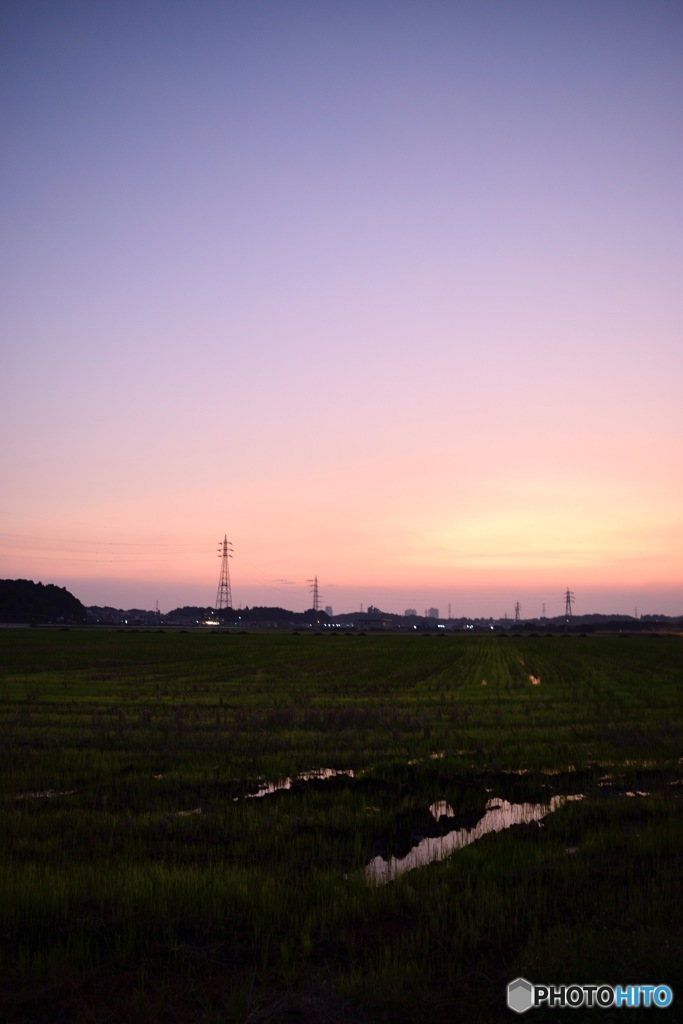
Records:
x=388, y=292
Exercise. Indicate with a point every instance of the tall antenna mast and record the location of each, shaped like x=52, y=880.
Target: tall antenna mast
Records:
x=224, y=592
x=568, y=600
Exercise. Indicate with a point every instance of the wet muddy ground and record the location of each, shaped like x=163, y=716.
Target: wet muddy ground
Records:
x=209, y=828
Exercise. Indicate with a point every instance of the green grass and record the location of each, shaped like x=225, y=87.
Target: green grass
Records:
x=147, y=887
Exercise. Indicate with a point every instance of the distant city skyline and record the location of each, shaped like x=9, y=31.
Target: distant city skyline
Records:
x=388, y=293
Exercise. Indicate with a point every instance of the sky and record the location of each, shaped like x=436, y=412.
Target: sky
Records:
x=389, y=293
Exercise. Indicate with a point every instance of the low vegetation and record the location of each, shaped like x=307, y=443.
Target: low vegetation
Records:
x=143, y=880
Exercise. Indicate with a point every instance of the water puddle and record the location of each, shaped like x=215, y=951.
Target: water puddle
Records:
x=318, y=774
x=441, y=809
x=46, y=794
x=500, y=814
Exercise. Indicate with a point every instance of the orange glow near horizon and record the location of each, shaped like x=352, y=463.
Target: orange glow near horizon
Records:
x=500, y=537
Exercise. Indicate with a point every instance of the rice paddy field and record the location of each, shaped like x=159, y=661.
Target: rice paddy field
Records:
x=255, y=828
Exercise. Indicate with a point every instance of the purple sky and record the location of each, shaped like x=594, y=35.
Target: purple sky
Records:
x=387, y=292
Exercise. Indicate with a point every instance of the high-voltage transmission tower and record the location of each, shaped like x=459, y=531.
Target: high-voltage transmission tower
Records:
x=224, y=592
x=316, y=593
x=518, y=611
x=568, y=601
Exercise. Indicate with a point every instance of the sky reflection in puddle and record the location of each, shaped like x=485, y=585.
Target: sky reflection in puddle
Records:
x=46, y=794
x=441, y=809
x=266, y=788
x=500, y=814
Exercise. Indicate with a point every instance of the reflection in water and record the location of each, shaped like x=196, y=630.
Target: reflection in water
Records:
x=46, y=794
x=499, y=815
x=269, y=787
x=318, y=773
x=441, y=809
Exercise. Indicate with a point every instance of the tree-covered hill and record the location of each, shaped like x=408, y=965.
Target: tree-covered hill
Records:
x=26, y=601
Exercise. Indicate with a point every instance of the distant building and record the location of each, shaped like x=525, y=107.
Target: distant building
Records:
x=373, y=622
x=410, y=611
x=328, y=610
x=431, y=613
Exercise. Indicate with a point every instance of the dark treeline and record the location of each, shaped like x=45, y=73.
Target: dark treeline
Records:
x=26, y=601
x=189, y=615
x=23, y=601
x=375, y=619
